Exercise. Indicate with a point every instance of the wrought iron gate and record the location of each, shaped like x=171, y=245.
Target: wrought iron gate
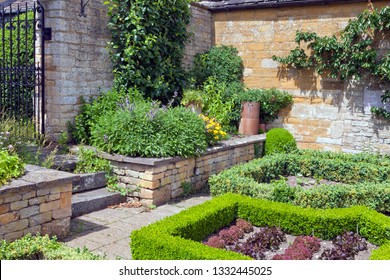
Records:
x=22, y=62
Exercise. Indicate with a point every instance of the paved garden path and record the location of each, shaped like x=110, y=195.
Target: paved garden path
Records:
x=106, y=232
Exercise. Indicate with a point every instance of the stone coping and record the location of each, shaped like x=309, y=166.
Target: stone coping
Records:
x=153, y=162
x=36, y=177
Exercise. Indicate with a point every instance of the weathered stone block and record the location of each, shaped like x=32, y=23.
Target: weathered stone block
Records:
x=12, y=198
x=52, y=197
x=49, y=206
x=29, y=211
x=8, y=218
x=40, y=219
x=14, y=226
x=4, y=208
x=62, y=213
x=17, y=205
x=37, y=200
x=60, y=228
x=65, y=199
x=29, y=195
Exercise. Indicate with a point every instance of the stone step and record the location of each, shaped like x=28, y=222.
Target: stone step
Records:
x=94, y=200
x=89, y=181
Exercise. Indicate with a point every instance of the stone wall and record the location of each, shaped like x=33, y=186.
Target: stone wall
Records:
x=327, y=114
x=201, y=28
x=77, y=60
x=158, y=180
x=38, y=202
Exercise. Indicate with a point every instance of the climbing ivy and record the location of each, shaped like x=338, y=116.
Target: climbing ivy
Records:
x=354, y=54
x=148, y=40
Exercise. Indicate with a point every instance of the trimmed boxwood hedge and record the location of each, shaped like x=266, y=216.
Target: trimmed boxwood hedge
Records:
x=179, y=236
x=365, y=179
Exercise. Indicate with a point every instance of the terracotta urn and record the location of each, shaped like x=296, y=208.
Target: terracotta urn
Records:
x=249, y=123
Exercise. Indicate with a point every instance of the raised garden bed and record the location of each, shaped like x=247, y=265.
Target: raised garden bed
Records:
x=271, y=243
x=158, y=180
x=180, y=236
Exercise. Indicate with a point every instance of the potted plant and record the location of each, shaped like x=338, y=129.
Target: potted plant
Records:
x=193, y=99
x=250, y=112
x=271, y=102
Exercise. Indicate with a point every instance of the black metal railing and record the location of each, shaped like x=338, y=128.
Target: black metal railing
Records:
x=21, y=62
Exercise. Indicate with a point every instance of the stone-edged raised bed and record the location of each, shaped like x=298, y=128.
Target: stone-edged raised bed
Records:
x=158, y=180
x=180, y=236
x=37, y=202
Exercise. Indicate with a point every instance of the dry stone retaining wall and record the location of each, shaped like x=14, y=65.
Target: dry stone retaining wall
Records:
x=156, y=181
x=38, y=202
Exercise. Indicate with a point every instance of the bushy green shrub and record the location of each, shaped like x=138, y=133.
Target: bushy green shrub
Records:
x=179, y=236
x=279, y=140
x=104, y=104
x=144, y=129
x=382, y=253
x=42, y=248
x=221, y=62
x=11, y=166
x=367, y=176
x=90, y=162
x=147, y=46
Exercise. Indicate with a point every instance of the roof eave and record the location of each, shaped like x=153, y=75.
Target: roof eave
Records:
x=276, y=4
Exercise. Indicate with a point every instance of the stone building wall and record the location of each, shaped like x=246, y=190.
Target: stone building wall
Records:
x=327, y=114
x=201, y=28
x=77, y=60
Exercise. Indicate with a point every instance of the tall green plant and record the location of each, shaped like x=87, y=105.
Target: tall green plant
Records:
x=355, y=54
x=148, y=40
x=221, y=62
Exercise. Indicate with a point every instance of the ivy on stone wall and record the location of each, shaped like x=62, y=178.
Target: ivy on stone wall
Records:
x=148, y=40
x=356, y=53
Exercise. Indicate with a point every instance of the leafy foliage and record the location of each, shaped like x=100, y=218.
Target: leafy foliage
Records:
x=104, y=104
x=271, y=102
x=364, y=179
x=214, y=132
x=355, y=54
x=244, y=225
x=221, y=62
x=179, y=236
x=279, y=140
x=89, y=162
x=42, y=248
x=345, y=247
x=11, y=166
x=148, y=39
x=144, y=129
x=302, y=248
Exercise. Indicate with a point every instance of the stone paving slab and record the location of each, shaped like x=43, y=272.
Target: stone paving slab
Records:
x=107, y=232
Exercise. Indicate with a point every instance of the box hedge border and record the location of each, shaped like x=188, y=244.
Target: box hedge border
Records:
x=179, y=237
x=365, y=178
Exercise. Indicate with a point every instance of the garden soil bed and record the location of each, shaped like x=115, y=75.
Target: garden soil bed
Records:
x=324, y=245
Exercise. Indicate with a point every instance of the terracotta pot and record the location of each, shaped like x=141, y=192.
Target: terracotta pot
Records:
x=249, y=123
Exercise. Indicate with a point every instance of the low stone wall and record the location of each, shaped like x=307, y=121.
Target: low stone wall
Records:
x=38, y=202
x=157, y=180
